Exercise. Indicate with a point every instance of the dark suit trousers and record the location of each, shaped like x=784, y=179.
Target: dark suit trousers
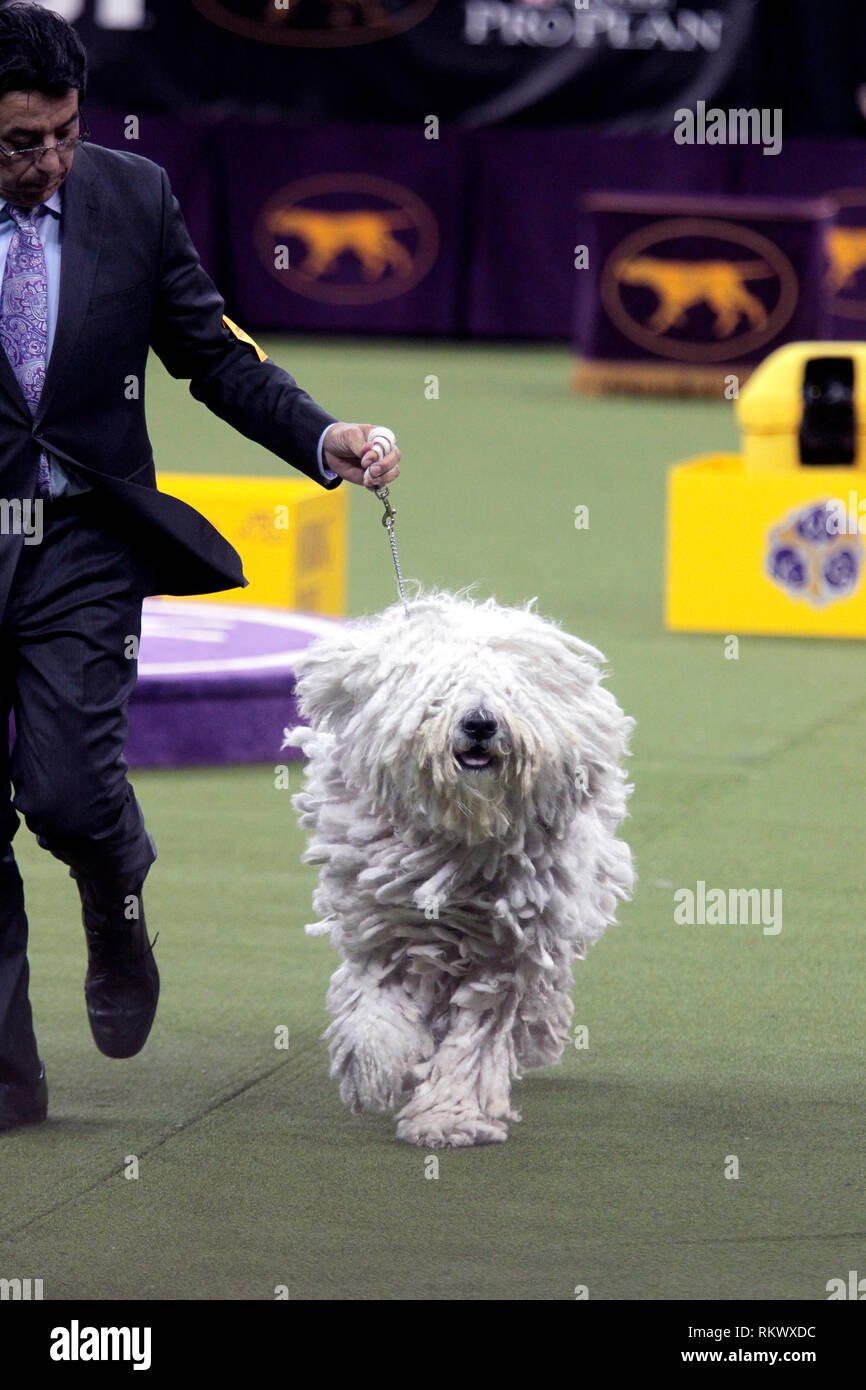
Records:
x=68, y=665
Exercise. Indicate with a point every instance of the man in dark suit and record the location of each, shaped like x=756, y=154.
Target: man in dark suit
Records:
x=96, y=267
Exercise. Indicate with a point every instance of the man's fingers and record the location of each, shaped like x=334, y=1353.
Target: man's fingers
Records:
x=373, y=483
x=377, y=454
x=354, y=441
x=348, y=451
x=378, y=464
x=379, y=472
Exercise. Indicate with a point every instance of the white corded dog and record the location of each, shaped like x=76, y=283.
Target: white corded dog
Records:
x=463, y=790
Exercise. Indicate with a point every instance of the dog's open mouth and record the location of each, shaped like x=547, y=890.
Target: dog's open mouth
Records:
x=476, y=758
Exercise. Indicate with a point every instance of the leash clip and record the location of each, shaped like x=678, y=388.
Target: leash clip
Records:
x=390, y=514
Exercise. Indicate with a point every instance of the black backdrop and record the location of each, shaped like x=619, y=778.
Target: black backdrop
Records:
x=619, y=64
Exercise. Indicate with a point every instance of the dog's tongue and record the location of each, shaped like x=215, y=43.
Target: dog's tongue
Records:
x=475, y=758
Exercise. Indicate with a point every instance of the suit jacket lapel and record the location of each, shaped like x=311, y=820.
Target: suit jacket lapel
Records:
x=80, y=240
x=9, y=384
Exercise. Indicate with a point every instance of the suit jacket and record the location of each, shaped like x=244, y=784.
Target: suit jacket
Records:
x=131, y=279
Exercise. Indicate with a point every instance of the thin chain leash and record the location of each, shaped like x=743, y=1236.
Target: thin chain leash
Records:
x=388, y=522
x=382, y=439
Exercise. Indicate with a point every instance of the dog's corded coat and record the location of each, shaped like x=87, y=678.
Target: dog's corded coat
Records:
x=459, y=878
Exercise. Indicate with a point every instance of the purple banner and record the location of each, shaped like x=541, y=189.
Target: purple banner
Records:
x=837, y=170
x=185, y=149
x=361, y=231
x=380, y=230
x=527, y=199
x=700, y=282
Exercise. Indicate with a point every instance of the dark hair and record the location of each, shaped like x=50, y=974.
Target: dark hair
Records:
x=39, y=52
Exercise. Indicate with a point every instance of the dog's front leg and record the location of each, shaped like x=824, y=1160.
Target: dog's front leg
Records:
x=463, y=1091
x=543, y=1016
x=378, y=1036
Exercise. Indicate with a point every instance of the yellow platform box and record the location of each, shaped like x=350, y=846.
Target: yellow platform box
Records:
x=772, y=540
x=289, y=532
x=752, y=552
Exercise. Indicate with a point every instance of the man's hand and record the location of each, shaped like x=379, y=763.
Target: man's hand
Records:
x=344, y=450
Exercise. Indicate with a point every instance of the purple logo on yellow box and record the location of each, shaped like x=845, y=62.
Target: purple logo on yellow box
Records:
x=816, y=554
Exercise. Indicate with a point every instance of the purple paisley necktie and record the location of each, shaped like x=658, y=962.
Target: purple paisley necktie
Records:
x=24, y=315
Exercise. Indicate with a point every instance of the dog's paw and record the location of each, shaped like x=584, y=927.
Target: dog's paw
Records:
x=439, y=1131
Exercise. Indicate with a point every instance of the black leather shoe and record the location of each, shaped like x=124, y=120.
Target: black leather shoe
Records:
x=23, y=1104
x=122, y=982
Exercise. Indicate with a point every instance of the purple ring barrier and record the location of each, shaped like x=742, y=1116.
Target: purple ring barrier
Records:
x=216, y=683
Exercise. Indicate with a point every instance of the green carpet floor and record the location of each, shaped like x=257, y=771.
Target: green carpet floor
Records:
x=704, y=1042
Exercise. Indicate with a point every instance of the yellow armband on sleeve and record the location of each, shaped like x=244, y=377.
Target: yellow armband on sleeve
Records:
x=244, y=337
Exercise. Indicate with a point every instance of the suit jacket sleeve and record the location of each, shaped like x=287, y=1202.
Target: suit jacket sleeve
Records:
x=189, y=336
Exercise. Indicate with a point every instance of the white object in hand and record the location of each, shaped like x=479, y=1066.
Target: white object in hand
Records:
x=381, y=440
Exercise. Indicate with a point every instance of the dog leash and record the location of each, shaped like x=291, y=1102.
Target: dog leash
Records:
x=388, y=522
x=382, y=440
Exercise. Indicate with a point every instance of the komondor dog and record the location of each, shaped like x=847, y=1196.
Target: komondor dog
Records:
x=463, y=791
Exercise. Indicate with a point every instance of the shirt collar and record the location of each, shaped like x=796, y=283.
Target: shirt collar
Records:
x=53, y=204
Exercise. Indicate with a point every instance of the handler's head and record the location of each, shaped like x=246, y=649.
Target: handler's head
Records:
x=43, y=75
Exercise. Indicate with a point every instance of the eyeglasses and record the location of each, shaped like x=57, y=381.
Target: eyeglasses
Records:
x=36, y=152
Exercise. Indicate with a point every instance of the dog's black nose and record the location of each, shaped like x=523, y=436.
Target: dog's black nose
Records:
x=480, y=725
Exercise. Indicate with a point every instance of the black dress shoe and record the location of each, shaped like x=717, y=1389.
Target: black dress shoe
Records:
x=23, y=1104
x=122, y=982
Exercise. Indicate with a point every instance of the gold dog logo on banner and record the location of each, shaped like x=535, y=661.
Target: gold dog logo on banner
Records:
x=732, y=318
x=679, y=285
x=845, y=281
x=316, y=23
x=350, y=238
